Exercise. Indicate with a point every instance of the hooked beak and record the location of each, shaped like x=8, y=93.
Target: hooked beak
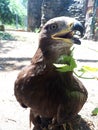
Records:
x=68, y=34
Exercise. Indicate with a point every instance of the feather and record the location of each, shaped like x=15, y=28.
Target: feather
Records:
x=54, y=98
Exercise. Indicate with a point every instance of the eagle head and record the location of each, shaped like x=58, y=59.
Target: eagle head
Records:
x=58, y=35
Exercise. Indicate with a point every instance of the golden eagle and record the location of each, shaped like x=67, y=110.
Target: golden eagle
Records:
x=54, y=97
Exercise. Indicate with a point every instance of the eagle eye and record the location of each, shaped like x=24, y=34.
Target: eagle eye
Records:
x=53, y=26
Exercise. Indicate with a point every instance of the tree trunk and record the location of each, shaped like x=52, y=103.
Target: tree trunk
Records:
x=40, y=11
x=34, y=14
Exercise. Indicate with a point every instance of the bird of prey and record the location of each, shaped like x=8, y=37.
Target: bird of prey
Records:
x=54, y=97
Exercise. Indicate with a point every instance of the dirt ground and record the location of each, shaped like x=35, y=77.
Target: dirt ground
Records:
x=16, y=54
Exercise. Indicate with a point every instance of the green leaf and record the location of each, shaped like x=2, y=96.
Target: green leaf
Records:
x=65, y=63
x=95, y=112
x=91, y=69
x=82, y=70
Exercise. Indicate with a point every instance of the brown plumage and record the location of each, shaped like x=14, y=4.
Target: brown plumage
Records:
x=54, y=98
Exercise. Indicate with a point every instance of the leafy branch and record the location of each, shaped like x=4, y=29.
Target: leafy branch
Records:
x=67, y=63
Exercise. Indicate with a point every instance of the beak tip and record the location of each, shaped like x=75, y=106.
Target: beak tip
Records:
x=79, y=27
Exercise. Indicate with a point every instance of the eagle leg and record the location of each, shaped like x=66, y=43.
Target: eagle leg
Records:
x=70, y=126
x=64, y=126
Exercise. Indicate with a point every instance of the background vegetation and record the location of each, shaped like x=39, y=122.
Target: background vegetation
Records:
x=12, y=11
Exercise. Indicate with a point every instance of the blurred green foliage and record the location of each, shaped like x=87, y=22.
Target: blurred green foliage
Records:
x=95, y=112
x=9, y=9
x=6, y=36
x=37, y=30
